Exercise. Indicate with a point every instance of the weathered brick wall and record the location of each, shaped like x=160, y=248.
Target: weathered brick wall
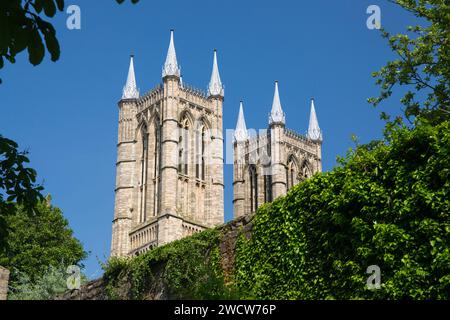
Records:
x=95, y=290
x=4, y=279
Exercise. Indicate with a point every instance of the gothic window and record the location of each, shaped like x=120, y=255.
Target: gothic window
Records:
x=144, y=162
x=157, y=151
x=292, y=173
x=201, y=140
x=203, y=154
x=253, y=176
x=267, y=188
x=180, y=153
x=305, y=170
x=157, y=167
x=183, y=147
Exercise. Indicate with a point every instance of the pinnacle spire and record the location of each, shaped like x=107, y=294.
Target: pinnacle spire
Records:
x=170, y=67
x=130, y=90
x=241, y=133
x=314, y=132
x=277, y=114
x=215, y=87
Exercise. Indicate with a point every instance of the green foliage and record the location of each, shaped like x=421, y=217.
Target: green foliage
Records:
x=23, y=28
x=188, y=268
x=51, y=283
x=17, y=184
x=423, y=64
x=39, y=241
x=388, y=204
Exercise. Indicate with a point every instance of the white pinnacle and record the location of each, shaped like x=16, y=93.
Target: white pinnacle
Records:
x=215, y=87
x=130, y=90
x=240, y=133
x=170, y=67
x=277, y=114
x=314, y=132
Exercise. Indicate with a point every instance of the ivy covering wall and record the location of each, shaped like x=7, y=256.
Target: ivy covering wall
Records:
x=185, y=269
x=386, y=204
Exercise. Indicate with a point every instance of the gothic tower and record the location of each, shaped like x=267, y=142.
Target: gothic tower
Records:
x=269, y=163
x=169, y=176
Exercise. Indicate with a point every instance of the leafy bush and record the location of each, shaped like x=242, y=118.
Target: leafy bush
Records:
x=387, y=205
x=36, y=242
x=17, y=185
x=51, y=283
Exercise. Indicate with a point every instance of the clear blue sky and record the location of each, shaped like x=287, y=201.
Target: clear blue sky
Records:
x=65, y=113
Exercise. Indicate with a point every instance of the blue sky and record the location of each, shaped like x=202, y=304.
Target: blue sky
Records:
x=65, y=113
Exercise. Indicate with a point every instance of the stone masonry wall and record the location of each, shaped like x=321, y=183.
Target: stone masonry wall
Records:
x=4, y=279
x=95, y=290
x=230, y=234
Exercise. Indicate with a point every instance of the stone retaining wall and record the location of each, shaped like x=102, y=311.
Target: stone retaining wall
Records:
x=95, y=290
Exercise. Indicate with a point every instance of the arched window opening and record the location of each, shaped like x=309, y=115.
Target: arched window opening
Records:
x=180, y=154
x=157, y=167
x=201, y=140
x=183, y=147
x=203, y=154
x=144, y=169
x=292, y=173
x=157, y=152
x=268, y=188
x=305, y=170
x=253, y=188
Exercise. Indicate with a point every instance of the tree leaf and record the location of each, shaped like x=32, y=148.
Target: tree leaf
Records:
x=36, y=50
x=49, y=8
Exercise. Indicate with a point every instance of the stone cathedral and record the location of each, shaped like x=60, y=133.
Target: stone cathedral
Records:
x=268, y=163
x=169, y=169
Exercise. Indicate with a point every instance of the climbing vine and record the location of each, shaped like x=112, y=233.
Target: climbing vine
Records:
x=188, y=269
x=387, y=204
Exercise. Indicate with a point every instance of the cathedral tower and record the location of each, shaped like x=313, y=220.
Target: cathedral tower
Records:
x=169, y=178
x=125, y=166
x=267, y=165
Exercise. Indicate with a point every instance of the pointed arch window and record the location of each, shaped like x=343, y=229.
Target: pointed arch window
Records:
x=157, y=151
x=305, y=170
x=157, y=167
x=292, y=173
x=201, y=140
x=144, y=169
x=183, y=147
x=268, y=188
x=253, y=176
